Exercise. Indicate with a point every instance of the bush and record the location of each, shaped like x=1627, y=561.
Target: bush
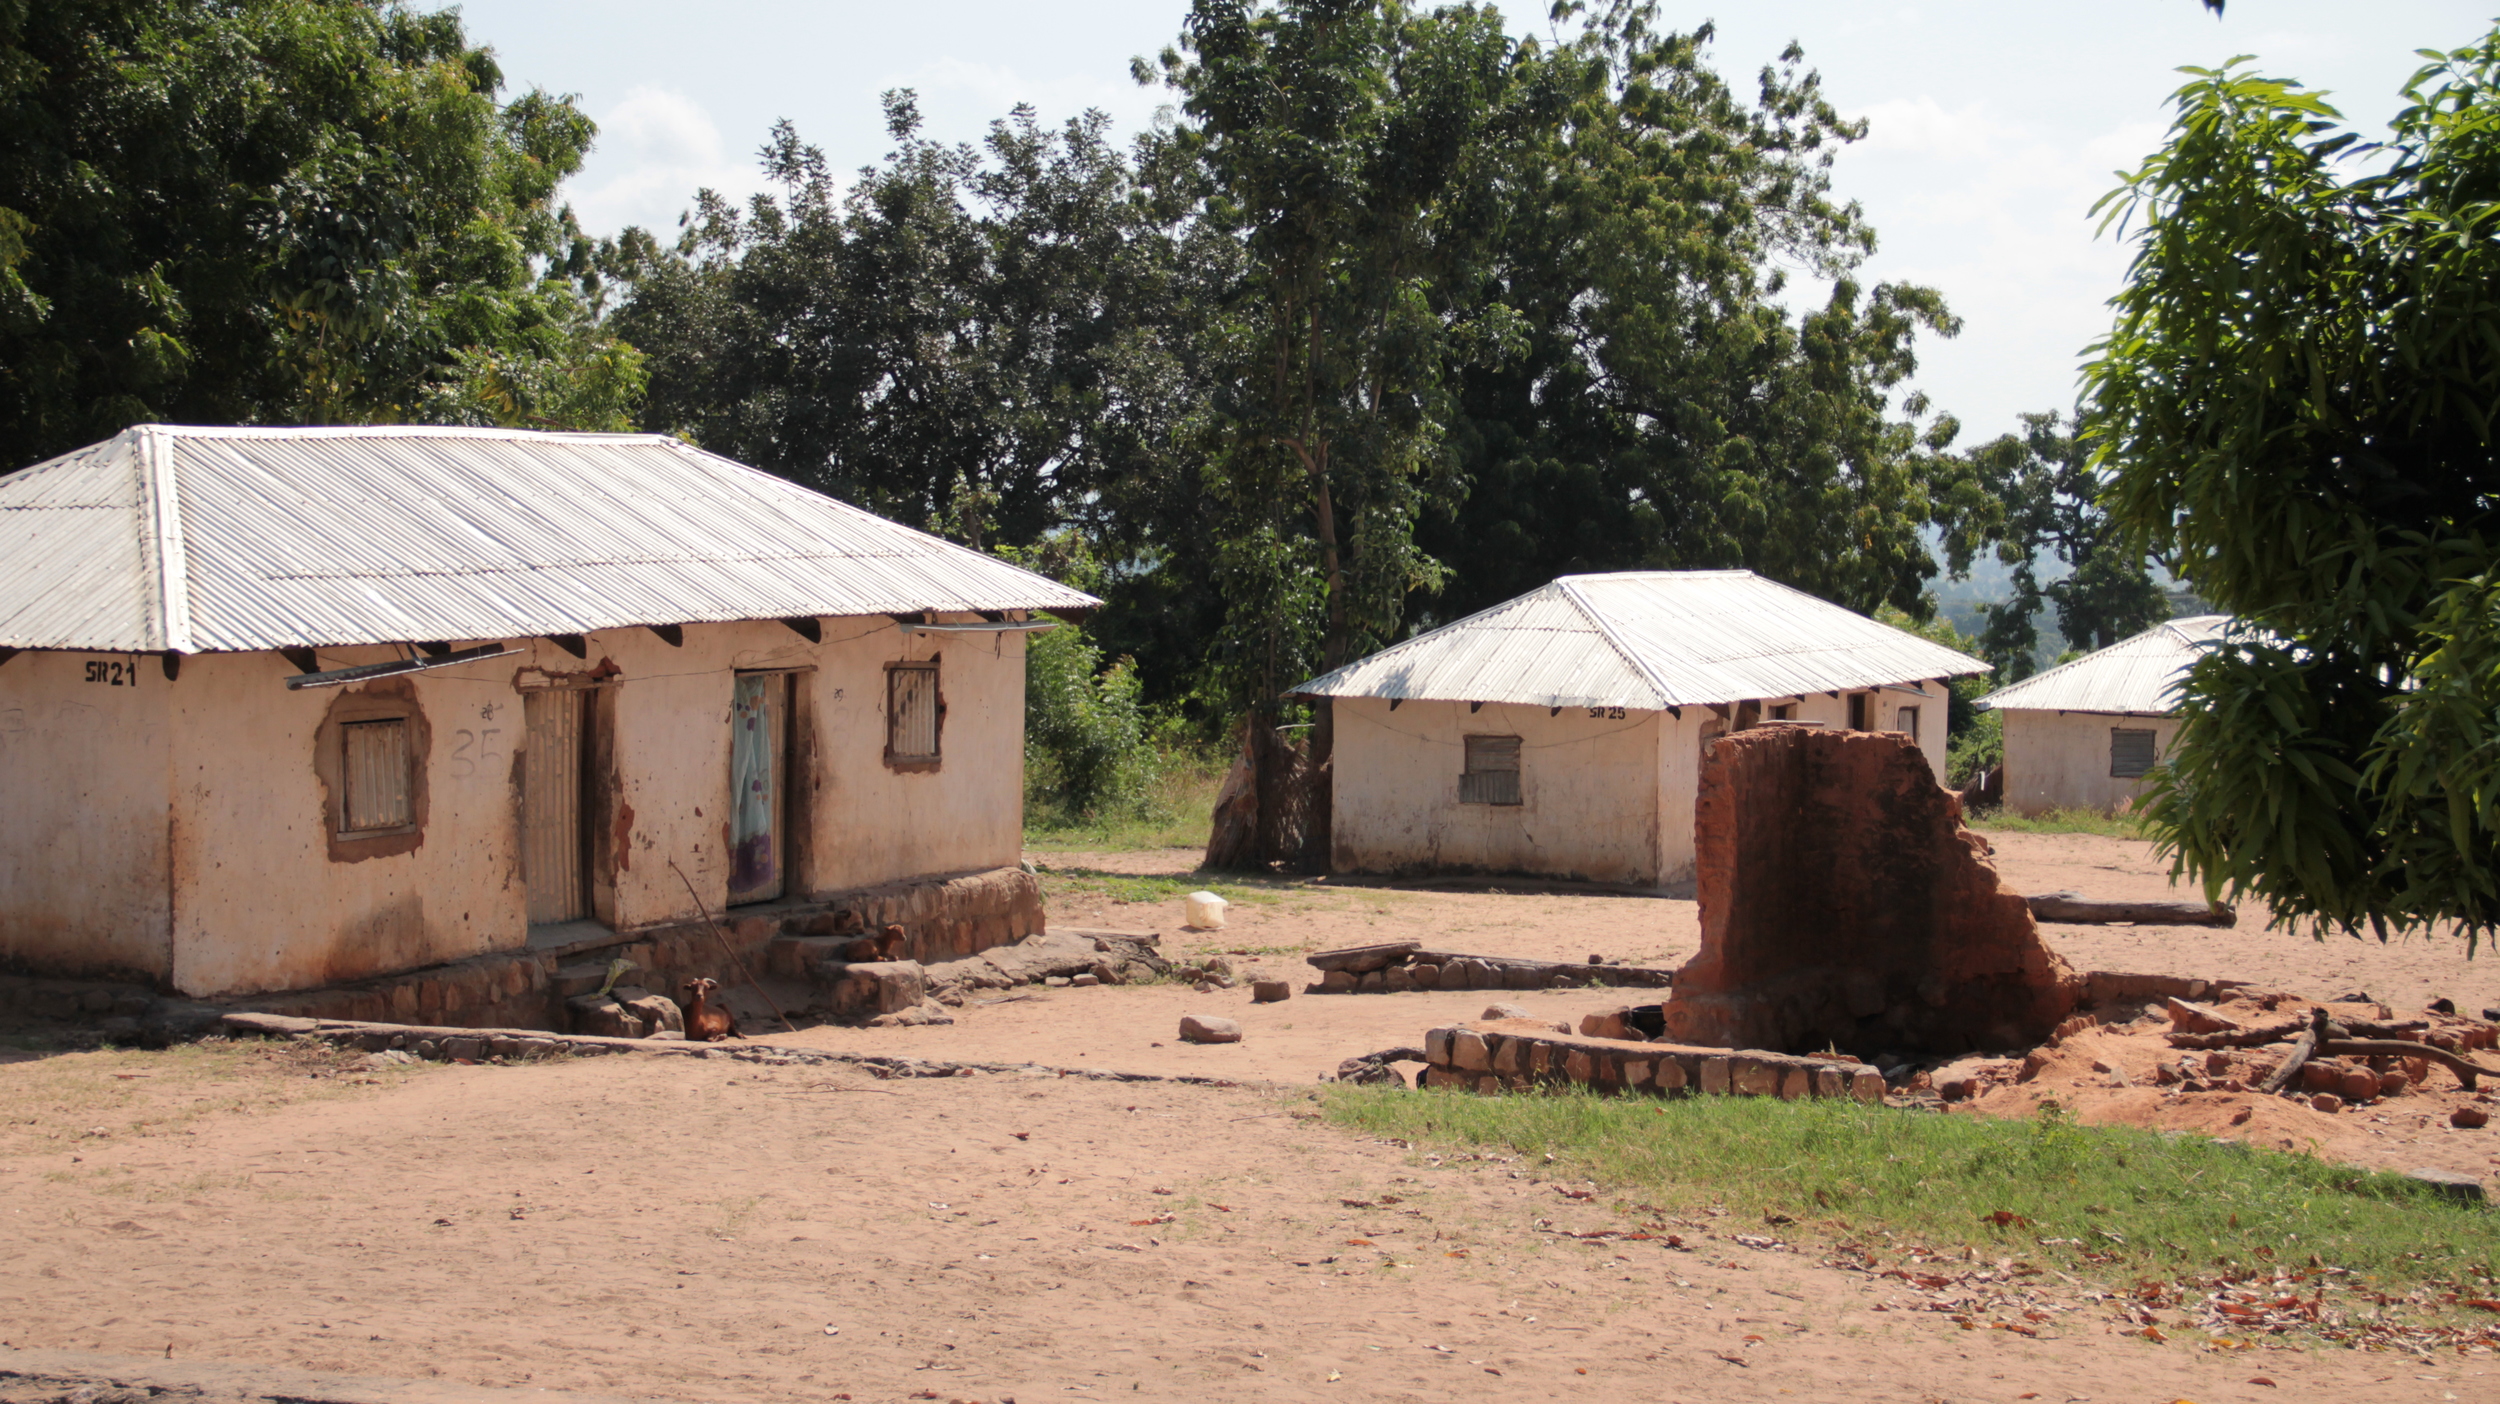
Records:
x=1086, y=748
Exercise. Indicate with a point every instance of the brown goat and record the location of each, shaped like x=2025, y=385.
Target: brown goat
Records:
x=707, y=1022
x=891, y=944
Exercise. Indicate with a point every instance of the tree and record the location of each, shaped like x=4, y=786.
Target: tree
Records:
x=276, y=211
x=2295, y=405
x=973, y=338
x=1662, y=408
x=2038, y=500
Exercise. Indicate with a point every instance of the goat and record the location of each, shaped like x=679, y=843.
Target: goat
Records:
x=891, y=944
x=707, y=1022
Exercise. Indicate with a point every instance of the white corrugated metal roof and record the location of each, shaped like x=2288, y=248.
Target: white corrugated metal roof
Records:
x=1649, y=639
x=2134, y=675
x=201, y=540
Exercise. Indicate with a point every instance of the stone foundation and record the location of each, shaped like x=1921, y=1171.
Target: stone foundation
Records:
x=1843, y=905
x=943, y=918
x=1517, y=1054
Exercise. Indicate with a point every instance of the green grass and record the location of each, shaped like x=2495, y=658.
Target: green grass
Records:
x=2111, y=1203
x=1072, y=884
x=2061, y=821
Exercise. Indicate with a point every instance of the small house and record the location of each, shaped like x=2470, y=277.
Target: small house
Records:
x=282, y=708
x=1561, y=733
x=2084, y=734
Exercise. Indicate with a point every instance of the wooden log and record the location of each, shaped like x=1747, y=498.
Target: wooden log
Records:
x=1362, y=960
x=2076, y=909
x=2310, y=1038
x=2465, y=1069
x=2280, y=1033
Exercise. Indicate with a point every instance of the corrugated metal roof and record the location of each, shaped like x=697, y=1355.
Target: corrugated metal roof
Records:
x=209, y=539
x=2135, y=675
x=1648, y=639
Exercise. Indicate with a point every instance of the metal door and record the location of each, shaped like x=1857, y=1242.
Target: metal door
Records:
x=759, y=717
x=555, y=851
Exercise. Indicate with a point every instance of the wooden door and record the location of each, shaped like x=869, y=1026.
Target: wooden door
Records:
x=759, y=720
x=555, y=845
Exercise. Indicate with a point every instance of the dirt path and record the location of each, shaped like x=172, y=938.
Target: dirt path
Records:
x=699, y=1230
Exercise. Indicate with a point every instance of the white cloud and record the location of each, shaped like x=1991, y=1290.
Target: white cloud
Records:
x=656, y=148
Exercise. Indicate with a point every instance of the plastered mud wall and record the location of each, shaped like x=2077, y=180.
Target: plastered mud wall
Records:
x=1844, y=905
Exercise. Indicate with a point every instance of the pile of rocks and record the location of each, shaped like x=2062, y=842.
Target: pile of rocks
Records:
x=1400, y=966
x=1514, y=1054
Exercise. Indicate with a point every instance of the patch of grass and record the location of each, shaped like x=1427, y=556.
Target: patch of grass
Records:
x=1060, y=884
x=2062, y=821
x=1176, y=811
x=2112, y=1203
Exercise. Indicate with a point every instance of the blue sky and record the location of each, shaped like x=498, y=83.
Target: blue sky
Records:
x=1995, y=125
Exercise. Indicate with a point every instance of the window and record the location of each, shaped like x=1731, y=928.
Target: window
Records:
x=1906, y=720
x=2130, y=753
x=1492, y=774
x=1783, y=711
x=912, y=710
x=376, y=789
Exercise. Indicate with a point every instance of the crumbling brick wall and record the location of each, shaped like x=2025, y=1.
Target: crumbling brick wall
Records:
x=1844, y=905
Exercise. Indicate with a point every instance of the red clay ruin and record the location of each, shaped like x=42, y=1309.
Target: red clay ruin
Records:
x=1844, y=906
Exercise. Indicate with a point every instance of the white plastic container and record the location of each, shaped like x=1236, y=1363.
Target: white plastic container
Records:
x=1205, y=911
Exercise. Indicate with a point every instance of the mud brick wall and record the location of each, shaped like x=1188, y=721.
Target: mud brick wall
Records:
x=1517, y=1054
x=945, y=917
x=1843, y=905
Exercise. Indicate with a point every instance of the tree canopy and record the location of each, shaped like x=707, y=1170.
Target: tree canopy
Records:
x=283, y=211
x=2295, y=407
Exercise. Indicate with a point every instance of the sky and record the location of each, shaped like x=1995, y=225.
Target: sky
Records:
x=1993, y=126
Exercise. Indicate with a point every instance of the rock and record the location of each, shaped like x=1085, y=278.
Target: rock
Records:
x=2321, y=1075
x=2197, y=1018
x=1270, y=992
x=1372, y=982
x=2217, y=1062
x=603, y=1016
x=2464, y=1188
x=1425, y=974
x=2038, y=1059
x=1055, y=982
x=2469, y=1118
x=1453, y=975
x=1370, y=1072
x=927, y=1012
x=658, y=1013
x=1206, y=1028
x=1504, y=1011
x=2359, y=1085
x=881, y=987
x=1398, y=979
x=1337, y=982
x=1968, y=1078
x=1468, y=1052
x=1105, y=973
x=2392, y=1084
x=1358, y=960
x=2327, y=1102
x=1605, y=1023
x=1086, y=981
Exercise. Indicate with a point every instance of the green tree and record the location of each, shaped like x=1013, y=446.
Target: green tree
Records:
x=1663, y=409
x=2038, y=501
x=274, y=211
x=2295, y=404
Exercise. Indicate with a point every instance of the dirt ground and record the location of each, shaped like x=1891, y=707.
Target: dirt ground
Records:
x=672, y=1228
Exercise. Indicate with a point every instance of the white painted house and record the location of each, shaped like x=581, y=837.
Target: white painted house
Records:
x=1561, y=733
x=2083, y=734
x=281, y=708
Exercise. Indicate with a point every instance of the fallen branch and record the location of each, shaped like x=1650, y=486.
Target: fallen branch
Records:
x=2465, y=1069
x=2076, y=909
x=2279, y=1033
x=2310, y=1038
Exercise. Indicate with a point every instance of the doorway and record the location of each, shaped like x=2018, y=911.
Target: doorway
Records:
x=555, y=837
x=759, y=769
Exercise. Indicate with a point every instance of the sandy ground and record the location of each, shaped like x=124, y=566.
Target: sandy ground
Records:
x=706, y=1230
x=703, y=1230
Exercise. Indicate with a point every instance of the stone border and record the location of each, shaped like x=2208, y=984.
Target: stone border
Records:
x=443, y=1044
x=1403, y=966
x=1507, y=1056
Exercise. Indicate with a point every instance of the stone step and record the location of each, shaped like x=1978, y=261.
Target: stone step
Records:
x=586, y=978
x=796, y=957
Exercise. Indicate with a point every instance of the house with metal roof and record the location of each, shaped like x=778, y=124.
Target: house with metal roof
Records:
x=2084, y=734
x=1561, y=733
x=281, y=707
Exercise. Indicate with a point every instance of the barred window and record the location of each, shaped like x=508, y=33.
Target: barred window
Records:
x=377, y=788
x=911, y=712
x=2130, y=753
x=1492, y=774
